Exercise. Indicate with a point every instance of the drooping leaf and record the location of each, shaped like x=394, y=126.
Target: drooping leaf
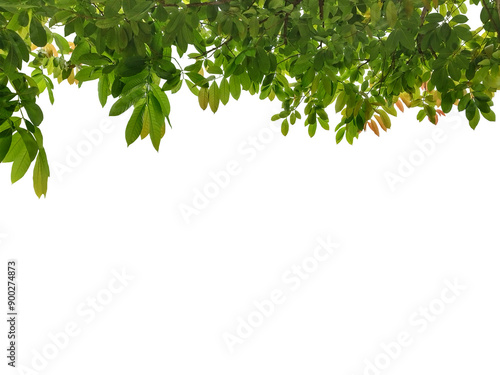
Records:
x=235, y=87
x=20, y=165
x=157, y=121
x=162, y=99
x=203, y=98
x=41, y=173
x=224, y=91
x=213, y=96
x=285, y=127
x=134, y=125
x=103, y=88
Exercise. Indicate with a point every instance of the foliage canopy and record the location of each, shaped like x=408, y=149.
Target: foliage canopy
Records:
x=362, y=58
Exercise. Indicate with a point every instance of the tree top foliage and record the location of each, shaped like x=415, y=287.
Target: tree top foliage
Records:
x=360, y=58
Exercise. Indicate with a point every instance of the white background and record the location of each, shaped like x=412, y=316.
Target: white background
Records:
x=119, y=209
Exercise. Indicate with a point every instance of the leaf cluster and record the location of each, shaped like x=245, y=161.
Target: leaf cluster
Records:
x=362, y=59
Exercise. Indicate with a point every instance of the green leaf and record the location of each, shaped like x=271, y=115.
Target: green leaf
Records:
x=391, y=13
x=203, y=98
x=341, y=101
x=106, y=23
x=157, y=121
x=385, y=118
x=439, y=77
x=406, y=40
x=474, y=121
x=284, y=127
x=34, y=112
x=446, y=103
x=62, y=43
x=93, y=59
x=134, y=125
x=5, y=142
x=192, y=87
x=263, y=60
x=312, y=129
x=235, y=87
x=103, y=89
x=340, y=135
x=19, y=45
x=224, y=91
x=30, y=143
x=38, y=35
x=124, y=103
x=139, y=11
x=122, y=38
x=490, y=116
x=162, y=99
x=130, y=65
x=461, y=18
x=454, y=71
x=464, y=102
x=213, y=97
x=214, y=69
x=12, y=61
x=471, y=110
x=253, y=26
x=23, y=18
x=324, y=123
x=134, y=82
x=80, y=49
x=374, y=13
x=20, y=166
x=112, y=8
x=41, y=174
x=16, y=148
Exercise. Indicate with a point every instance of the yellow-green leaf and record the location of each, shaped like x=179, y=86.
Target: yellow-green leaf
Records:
x=20, y=165
x=284, y=127
x=235, y=87
x=224, y=91
x=375, y=12
x=213, y=96
x=203, y=98
x=391, y=13
x=385, y=117
x=340, y=103
x=145, y=124
x=41, y=174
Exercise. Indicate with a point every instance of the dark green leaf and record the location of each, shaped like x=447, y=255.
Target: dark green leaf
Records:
x=38, y=35
x=134, y=125
x=5, y=142
x=34, y=112
x=157, y=121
